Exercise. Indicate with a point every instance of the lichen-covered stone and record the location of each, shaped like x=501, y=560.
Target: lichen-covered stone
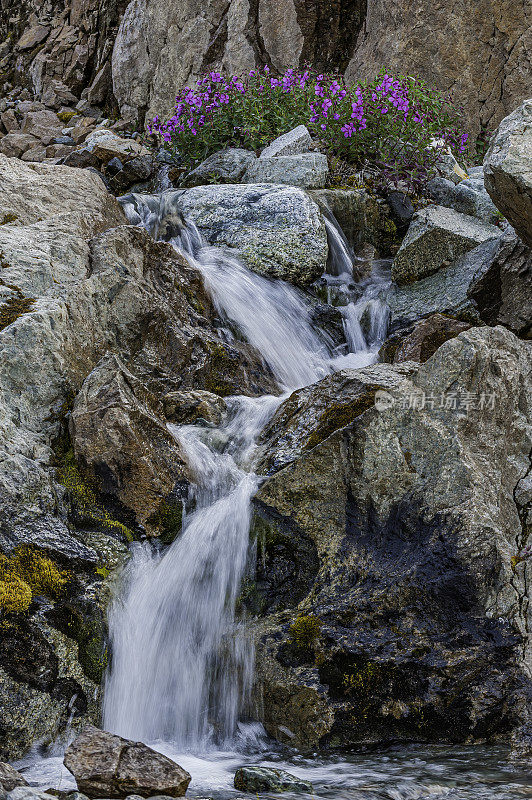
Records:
x=277, y=230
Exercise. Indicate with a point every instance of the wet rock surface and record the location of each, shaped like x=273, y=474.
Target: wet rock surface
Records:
x=417, y=557
x=267, y=779
x=105, y=765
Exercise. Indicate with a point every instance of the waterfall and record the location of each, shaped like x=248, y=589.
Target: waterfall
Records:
x=181, y=671
x=182, y=666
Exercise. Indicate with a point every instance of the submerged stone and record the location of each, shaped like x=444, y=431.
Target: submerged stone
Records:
x=268, y=779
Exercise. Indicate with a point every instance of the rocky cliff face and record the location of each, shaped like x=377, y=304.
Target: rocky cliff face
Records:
x=480, y=51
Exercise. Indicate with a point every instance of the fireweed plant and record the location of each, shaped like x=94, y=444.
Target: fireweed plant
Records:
x=396, y=126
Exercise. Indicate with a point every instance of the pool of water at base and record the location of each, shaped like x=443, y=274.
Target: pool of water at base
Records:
x=396, y=773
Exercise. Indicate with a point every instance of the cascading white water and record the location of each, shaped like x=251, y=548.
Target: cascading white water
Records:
x=176, y=674
x=181, y=666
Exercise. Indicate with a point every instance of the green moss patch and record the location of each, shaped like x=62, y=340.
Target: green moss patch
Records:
x=339, y=415
x=83, y=496
x=28, y=572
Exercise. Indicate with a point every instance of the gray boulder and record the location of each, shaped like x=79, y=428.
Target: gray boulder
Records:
x=508, y=170
x=444, y=292
x=410, y=563
x=277, y=230
x=108, y=766
x=225, y=166
x=268, y=779
x=306, y=170
x=437, y=236
x=468, y=197
x=28, y=793
x=292, y=143
x=10, y=778
x=490, y=284
x=502, y=293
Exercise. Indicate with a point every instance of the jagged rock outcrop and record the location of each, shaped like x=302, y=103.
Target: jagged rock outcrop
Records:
x=411, y=621
x=60, y=47
x=140, y=51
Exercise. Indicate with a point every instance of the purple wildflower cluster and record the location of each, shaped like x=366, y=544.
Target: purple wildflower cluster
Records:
x=397, y=124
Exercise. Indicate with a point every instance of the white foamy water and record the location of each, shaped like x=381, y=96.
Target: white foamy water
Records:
x=182, y=667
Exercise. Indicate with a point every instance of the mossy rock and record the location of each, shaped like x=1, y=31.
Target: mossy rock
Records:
x=87, y=510
x=14, y=307
x=85, y=624
x=338, y=415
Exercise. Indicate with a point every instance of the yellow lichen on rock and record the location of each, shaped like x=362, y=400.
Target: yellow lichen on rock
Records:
x=26, y=573
x=15, y=595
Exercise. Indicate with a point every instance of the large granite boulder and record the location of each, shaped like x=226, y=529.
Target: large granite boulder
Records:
x=105, y=765
x=411, y=621
x=508, y=170
x=278, y=231
x=489, y=284
x=437, y=236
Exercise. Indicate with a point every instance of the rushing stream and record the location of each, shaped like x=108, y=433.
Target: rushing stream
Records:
x=182, y=665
